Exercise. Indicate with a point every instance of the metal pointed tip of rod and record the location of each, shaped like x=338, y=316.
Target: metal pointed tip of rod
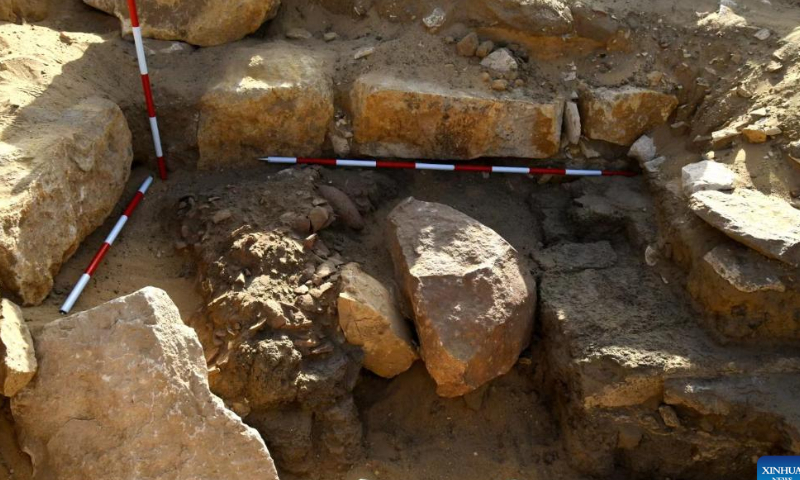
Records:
x=63, y=312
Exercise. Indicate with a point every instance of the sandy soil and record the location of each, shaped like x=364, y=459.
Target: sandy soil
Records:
x=504, y=431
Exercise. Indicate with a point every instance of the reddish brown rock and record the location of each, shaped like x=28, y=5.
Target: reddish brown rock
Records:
x=473, y=297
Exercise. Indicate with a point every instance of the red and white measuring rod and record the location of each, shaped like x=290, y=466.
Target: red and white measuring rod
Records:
x=148, y=92
x=446, y=167
x=98, y=257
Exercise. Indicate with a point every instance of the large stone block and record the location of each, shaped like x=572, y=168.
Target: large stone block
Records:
x=60, y=180
x=766, y=224
x=274, y=100
x=417, y=119
x=122, y=392
x=200, y=22
x=473, y=297
x=621, y=115
x=370, y=318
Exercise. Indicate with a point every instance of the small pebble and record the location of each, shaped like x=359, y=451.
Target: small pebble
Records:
x=484, y=49
x=298, y=34
x=501, y=84
x=364, y=52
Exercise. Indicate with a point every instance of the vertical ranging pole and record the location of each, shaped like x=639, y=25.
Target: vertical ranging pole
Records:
x=148, y=93
x=98, y=257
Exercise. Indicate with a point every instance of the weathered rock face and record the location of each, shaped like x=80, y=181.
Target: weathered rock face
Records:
x=706, y=175
x=275, y=100
x=746, y=295
x=622, y=115
x=369, y=318
x=411, y=119
x=200, y=22
x=473, y=297
x=17, y=359
x=122, y=393
x=569, y=257
x=765, y=224
x=61, y=179
x=623, y=350
x=539, y=17
x=19, y=10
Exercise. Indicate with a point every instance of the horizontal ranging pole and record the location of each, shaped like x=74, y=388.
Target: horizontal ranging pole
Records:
x=334, y=162
x=98, y=257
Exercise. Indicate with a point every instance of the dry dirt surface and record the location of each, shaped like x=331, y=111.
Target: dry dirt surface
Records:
x=250, y=253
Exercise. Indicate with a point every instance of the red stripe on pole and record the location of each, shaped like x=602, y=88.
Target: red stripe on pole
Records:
x=473, y=168
x=148, y=96
x=318, y=161
x=387, y=164
x=134, y=203
x=98, y=257
x=613, y=173
x=134, y=14
x=162, y=168
x=547, y=171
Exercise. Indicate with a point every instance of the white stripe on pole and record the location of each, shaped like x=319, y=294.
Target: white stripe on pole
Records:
x=499, y=169
x=156, y=136
x=76, y=292
x=117, y=228
x=585, y=173
x=434, y=166
x=357, y=163
x=137, y=40
x=145, y=185
x=281, y=159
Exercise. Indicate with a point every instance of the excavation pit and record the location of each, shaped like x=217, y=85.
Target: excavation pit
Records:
x=587, y=327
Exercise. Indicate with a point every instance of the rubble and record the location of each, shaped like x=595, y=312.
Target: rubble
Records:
x=500, y=61
x=765, y=224
x=17, y=359
x=467, y=46
x=643, y=150
x=706, y=175
x=572, y=122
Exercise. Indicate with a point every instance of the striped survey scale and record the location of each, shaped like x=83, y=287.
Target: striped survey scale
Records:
x=148, y=92
x=98, y=257
x=461, y=167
